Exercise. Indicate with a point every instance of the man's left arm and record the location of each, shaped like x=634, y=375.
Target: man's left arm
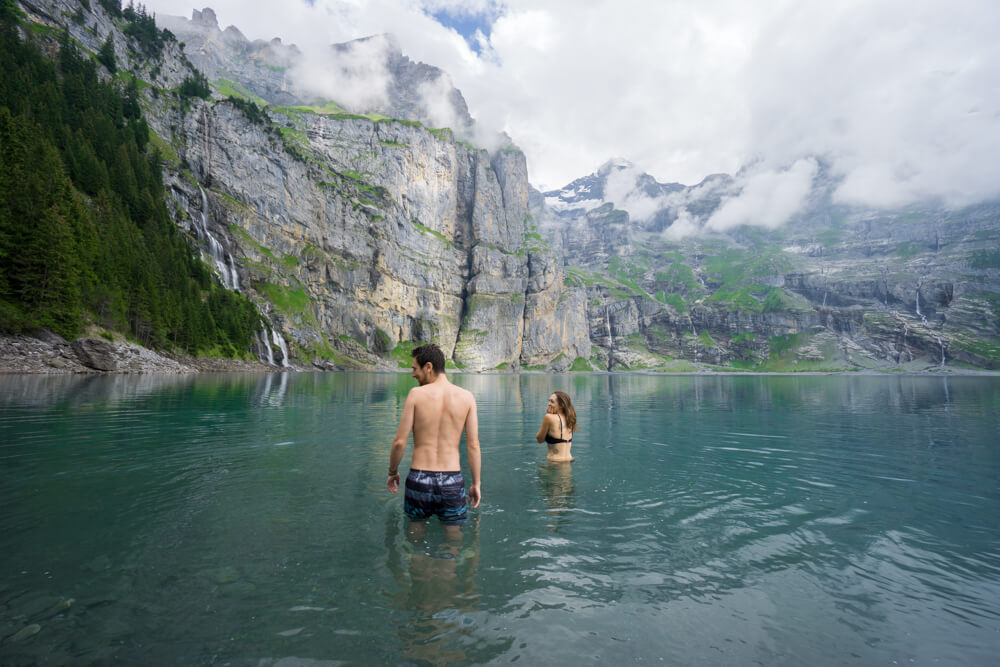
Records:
x=474, y=455
x=399, y=443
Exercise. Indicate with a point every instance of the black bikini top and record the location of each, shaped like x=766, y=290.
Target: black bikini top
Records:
x=555, y=441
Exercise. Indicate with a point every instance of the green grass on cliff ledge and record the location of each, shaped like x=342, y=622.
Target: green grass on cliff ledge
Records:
x=985, y=259
x=244, y=235
x=741, y=299
x=735, y=267
x=229, y=88
x=323, y=350
x=402, y=353
x=985, y=349
x=676, y=301
x=328, y=109
x=167, y=152
x=287, y=300
x=438, y=235
x=232, y=203
x=993, y=299
x=581, y=277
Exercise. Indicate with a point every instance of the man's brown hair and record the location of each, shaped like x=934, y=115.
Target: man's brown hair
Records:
x=429, y=353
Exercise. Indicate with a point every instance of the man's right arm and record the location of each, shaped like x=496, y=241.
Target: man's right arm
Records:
x=475, y=460
x=399, y=443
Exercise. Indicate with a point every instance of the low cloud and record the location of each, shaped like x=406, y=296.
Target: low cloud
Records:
x=435, y=103
x=767, y=197
x=354, y=75
x=684, y=225
x=898, y=98
x=622, y=188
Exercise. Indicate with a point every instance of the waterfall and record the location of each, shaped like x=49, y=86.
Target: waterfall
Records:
x=825, y=292
x=265, y=349
x=919, y=314
x=265, y=345
x=267, y=337
x=694, y=332
x=607, y=323
x=223, y=263
x=280, y=342
x=232, y=272
x=611, y=337
x=942, y=348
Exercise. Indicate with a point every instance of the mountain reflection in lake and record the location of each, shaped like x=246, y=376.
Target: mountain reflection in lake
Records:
x=713, y=520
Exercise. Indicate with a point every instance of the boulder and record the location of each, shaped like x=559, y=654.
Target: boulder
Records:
x=96, y=354
x=47, y=336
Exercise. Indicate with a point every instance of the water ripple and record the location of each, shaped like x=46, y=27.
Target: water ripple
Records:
x=774, y=520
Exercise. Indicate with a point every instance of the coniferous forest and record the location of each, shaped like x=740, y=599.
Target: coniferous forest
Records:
x=85, y=234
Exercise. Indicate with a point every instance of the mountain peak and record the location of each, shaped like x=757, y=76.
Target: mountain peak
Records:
x=206, y=17
x=614, y=164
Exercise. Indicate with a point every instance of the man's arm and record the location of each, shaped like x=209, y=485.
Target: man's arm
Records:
x=475, y=460
x=399, y=443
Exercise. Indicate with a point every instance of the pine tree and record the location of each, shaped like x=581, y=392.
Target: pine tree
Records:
x=84, y=227
x=106, y=55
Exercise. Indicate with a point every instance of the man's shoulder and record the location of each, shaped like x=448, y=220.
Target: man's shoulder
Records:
x=418, y=393
x=464, y=393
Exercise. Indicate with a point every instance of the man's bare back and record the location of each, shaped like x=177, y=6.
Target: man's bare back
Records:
x=440, y=413
x=437, y=412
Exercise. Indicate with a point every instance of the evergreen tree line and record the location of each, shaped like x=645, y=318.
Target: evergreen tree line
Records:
x=85, y=234
x=142, y=28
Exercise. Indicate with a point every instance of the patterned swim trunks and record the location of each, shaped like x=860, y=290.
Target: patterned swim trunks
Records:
x=431, y=492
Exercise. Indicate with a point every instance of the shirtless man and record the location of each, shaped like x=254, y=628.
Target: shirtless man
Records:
x=436, y=412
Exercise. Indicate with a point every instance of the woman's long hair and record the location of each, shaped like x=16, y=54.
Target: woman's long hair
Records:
x=566, y=407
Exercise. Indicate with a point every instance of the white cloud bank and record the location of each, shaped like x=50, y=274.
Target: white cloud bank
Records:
x=358, y=78
x=898, y=96
x=767, y=197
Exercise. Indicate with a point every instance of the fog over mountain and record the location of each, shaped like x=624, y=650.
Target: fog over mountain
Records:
x=895, y=96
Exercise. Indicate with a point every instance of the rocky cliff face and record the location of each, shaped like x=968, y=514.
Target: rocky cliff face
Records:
x=360, y=234
x=375, y=234
x=836, y=288
x=227, y=55
x=279, y=74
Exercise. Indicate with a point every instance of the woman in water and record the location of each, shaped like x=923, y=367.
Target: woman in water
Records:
x=558, y=425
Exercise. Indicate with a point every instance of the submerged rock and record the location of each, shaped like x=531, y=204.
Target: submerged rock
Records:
x=225, y=575
x=26, y=633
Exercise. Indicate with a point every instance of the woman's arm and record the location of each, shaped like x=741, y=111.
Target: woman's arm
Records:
x=544, y=430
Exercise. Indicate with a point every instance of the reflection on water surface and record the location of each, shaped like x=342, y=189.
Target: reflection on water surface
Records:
x=719, y=520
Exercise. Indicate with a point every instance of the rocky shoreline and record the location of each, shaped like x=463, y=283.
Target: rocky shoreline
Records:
x=44, y=352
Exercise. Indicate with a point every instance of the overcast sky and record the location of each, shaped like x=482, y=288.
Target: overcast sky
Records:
x=901, y=97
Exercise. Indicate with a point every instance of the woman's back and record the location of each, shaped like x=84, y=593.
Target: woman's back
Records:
x=558, y=437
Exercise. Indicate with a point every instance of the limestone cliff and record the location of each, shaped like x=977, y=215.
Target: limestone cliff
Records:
x=835, y=288
x=369, y=234
x=363, y=230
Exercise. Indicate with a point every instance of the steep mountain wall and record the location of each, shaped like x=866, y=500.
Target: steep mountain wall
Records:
x=835, y=288
x=374, y=234
x=360, y=235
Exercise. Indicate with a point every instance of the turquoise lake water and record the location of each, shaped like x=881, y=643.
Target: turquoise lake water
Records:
x=243, y=520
